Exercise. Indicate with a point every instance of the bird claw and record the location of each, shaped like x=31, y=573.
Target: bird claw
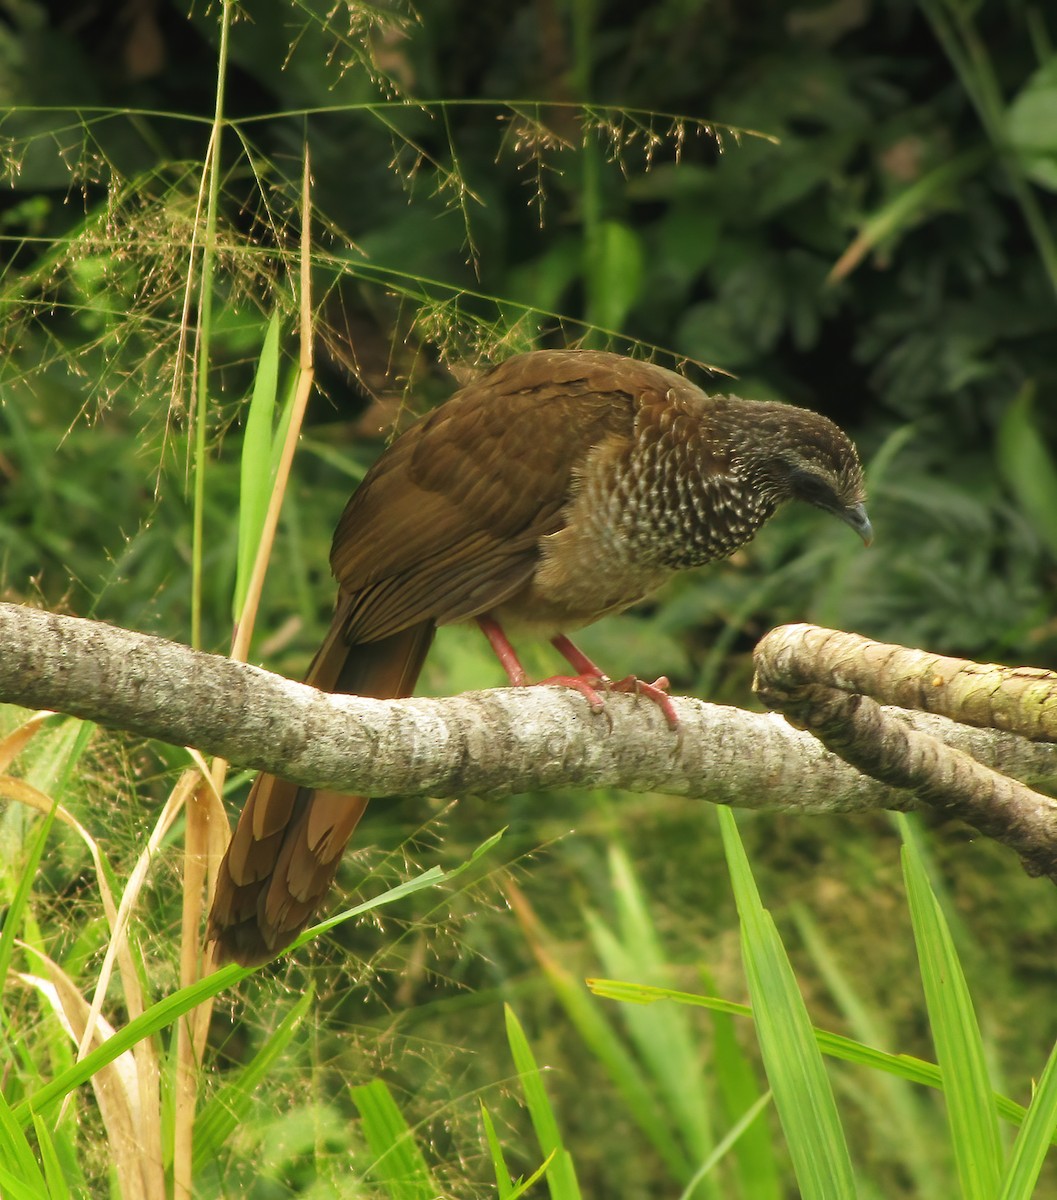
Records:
x=587, y=685
x=656, y=691
x=591, y=686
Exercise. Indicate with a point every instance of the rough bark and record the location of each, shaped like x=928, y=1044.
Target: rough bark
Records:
x=828, y=683
x=489, y=743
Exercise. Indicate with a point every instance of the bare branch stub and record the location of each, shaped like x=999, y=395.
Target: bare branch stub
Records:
x=825, y=681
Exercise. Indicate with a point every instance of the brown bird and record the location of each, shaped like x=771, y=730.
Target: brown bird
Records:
x=558, y=487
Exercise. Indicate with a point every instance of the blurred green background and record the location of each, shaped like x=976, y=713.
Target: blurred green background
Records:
x=577, y=172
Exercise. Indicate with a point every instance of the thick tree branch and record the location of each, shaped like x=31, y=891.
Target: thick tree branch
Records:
x=494, y=742
x=828, y=682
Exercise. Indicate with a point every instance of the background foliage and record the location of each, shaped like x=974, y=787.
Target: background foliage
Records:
x=575, y=172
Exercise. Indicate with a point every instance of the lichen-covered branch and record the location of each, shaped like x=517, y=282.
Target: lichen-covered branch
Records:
x=829, y=682
x=989, y=696
x=487, y=743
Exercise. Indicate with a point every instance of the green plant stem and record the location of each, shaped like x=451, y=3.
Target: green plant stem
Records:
x=205, y=314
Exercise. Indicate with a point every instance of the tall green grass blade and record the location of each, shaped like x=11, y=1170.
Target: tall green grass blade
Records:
x=257, y=478
x=636, y=1091
x=16, y=1189
x=971, y=1111
x=663, y=1040
x=834, y=1045
x=912, y=1127
x=55, y=1178
x=506, y=1189
x=504, y=1184
x=234, y=1101
x=204, y=332
x=734, y=1137
x=17, y=1156
x=398, y=1162
x=1035, y=1137
x=753, y=1148
x=791, y=1057
x=561, y=1175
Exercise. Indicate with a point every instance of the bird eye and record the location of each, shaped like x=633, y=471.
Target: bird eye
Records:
x=811, y=488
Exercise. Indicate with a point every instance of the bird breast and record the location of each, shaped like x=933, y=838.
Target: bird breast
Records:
x=641, y=509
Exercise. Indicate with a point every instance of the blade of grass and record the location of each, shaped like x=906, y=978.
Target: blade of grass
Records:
x=398, y=1162
x=49, y=1160
x=1034, y=1139
x=835, y=1045
x=219, y=1118
x=504, y=1184
x=791, y=1057
x=561, y=1176
x=200, y=408
x=257, y=472
x=601, y=1039
x=506, y=1189
x=16, y=1189
x=754, y=1157
x=23, y=1176
x=971, y=1111
x=168, y=1010
x=733, y=1137
x=910, y=1127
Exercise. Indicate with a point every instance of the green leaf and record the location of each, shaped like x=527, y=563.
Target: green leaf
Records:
x=791, y=1057
x=505, y=1189
x=1028, y=467
x=615, y=269
x=398, y=1162
x=971, y=1111
x=503, y=1182
x=16, y=1189
x=257, y=474
x=1031, y=125
x=53, y=1173
x=733, y=1138
x=561, y=1175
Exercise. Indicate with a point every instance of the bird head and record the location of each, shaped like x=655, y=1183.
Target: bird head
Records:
x=797, y=454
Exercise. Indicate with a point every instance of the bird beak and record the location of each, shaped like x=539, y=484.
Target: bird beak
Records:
x=855, y=516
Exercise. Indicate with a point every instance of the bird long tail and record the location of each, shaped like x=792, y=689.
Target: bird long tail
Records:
x=285, y=851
